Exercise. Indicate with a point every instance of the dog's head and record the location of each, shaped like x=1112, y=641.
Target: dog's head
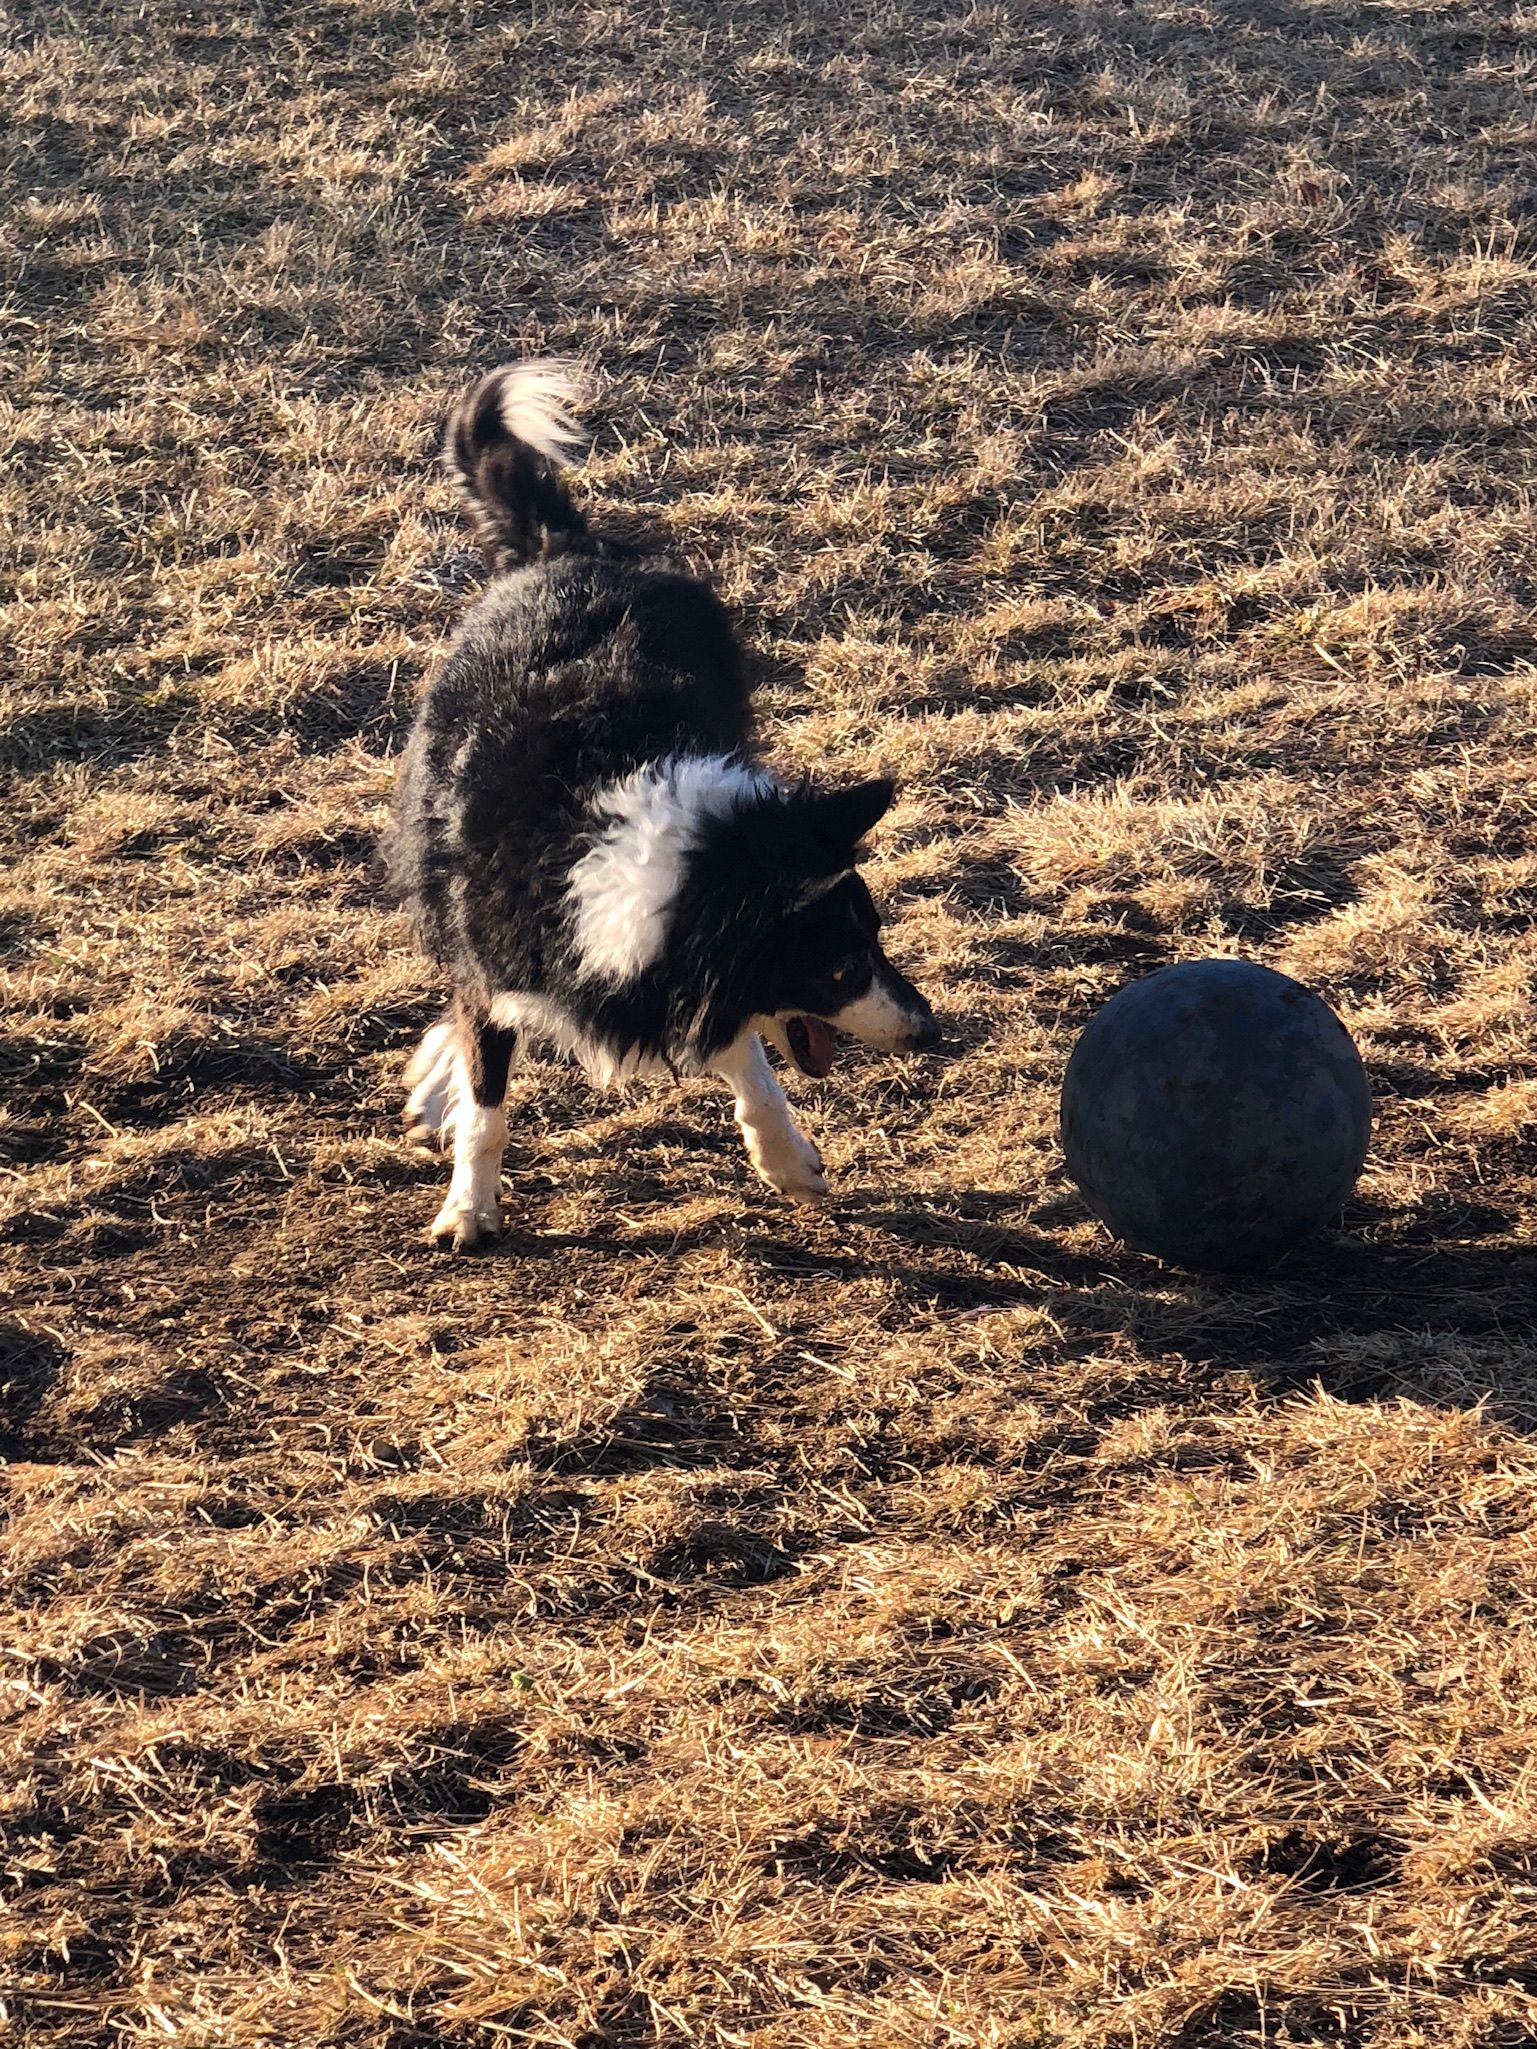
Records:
x=810, y=958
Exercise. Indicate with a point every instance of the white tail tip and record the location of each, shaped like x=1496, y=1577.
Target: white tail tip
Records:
x=539, y=402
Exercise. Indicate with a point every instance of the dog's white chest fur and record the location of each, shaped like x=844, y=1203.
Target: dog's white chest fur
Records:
x=623, y=889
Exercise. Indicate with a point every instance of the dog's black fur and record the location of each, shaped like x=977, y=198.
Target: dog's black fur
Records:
x=583, y=663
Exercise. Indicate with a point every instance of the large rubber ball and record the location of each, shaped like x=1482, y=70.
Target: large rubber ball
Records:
x=1215, y=1113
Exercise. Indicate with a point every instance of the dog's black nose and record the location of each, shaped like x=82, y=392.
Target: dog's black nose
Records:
x=928, y=1037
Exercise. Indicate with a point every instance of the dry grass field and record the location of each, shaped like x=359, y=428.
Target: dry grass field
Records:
x=916, y=1622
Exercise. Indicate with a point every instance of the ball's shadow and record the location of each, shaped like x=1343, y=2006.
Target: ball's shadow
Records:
x=1368, y=1315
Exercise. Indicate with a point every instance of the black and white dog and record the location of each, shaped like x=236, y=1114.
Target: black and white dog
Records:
x=588, y=847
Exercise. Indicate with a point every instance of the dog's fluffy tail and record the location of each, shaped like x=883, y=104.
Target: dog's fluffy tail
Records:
x=505, y=443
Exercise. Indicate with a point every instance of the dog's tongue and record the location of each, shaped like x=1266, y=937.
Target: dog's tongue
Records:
x=811, y=1042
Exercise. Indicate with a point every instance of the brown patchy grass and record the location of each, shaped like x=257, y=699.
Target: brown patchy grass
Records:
x=700, y=1623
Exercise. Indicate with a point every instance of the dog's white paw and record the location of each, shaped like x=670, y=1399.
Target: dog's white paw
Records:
x=472, y=1209
x=791, y=1165
x=465, y=1222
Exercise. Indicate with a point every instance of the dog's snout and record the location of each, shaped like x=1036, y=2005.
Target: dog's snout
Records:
x=891, y=1015
x=927, y=1034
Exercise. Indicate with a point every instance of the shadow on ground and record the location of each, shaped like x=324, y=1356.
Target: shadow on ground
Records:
x=1369, y=1312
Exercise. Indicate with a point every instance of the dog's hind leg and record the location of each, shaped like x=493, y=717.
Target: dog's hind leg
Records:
x=458, y=1087
x=780, y=1151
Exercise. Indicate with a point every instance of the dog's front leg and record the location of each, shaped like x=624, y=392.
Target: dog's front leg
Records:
x=782, y=1154
x=460, y=1076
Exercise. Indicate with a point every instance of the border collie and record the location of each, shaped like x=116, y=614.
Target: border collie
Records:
x=588, y=846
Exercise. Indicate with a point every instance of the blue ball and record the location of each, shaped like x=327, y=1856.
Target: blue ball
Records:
x=1215, y=1113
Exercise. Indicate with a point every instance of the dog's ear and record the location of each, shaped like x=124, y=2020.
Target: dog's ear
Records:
x=841, y=818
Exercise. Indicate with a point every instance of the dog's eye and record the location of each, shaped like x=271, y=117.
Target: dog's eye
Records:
x=842, y=978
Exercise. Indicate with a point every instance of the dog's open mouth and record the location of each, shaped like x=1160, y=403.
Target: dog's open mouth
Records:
x=811, y=1044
